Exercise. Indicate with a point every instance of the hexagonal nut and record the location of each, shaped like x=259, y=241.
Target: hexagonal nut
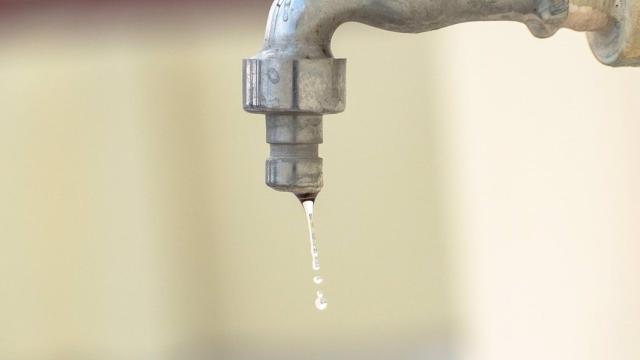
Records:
x=294, y=85
x=298, y=176
x=619, y=44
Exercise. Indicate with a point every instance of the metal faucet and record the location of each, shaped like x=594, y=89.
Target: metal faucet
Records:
x=295, y=79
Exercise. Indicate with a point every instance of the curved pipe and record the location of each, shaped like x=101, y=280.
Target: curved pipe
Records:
x=304, y=28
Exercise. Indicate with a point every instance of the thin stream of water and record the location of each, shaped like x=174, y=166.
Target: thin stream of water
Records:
x=321, y=301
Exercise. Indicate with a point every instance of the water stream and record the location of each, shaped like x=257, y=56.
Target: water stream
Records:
x=321, y=301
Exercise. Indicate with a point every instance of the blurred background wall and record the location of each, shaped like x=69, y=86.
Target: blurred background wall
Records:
x=545, y=173
x=480, y=197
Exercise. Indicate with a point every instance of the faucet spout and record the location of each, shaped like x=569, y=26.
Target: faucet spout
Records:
x=295, y=79
x=304, y=28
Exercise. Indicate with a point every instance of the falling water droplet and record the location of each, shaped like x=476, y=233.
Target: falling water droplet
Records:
x=321, y=302
x=318, y=279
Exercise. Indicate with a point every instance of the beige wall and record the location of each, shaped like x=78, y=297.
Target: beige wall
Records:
x=545, y=173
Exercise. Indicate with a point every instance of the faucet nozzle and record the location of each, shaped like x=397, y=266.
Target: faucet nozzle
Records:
x=294, y=94
x=294, y=164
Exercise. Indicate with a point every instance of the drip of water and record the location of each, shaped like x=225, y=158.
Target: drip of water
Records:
x=315, y=259
x=321, y=301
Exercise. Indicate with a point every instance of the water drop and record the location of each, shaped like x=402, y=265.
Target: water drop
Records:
x=318, y=279
x=321, y=301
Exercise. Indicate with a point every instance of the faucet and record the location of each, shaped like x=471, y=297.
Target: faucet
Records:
x=295, y=79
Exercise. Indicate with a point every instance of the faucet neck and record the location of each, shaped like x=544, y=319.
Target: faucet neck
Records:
x=304, y=28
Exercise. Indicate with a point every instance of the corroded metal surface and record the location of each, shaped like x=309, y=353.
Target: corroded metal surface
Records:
x=618, y=44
